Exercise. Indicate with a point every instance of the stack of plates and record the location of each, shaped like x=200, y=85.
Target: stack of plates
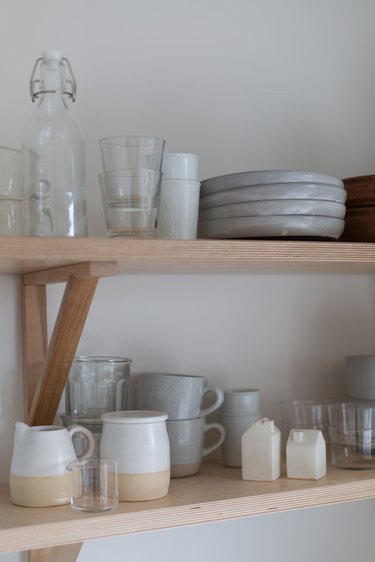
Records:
x=272, y=204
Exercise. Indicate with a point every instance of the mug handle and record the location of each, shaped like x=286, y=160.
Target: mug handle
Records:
x=216, y=404
x=221, y=430
x=89, y=451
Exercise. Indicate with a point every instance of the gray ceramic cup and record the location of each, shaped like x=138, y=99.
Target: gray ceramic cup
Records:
x=240, y=401
x=179, y=396
x=235, y=426
x=186, y=438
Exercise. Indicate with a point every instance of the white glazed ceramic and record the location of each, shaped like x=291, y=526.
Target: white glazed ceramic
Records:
x=261, y=451
x=276, y=226
x=360, y=376
x=276, y=207
x=240, y=179
x=138, y=439
x=180, y=396
x=38, y=473
x=274, y=192
x=306, y=454
x=179, y=209
x=180, y=166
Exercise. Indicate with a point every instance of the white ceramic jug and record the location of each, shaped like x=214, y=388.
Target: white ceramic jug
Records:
x=38, y=474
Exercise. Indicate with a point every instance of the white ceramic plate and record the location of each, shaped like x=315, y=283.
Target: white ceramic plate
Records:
x=272, y=227
x=242, y=179
x=247, y=194
x=276, y=207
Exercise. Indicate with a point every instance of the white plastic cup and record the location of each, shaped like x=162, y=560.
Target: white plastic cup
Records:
x=179, y=209
x=180, y=166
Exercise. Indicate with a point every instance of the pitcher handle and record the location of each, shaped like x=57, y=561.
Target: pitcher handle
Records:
x=89, y=451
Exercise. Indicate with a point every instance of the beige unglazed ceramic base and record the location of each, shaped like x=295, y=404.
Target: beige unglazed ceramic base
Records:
x=142, y=487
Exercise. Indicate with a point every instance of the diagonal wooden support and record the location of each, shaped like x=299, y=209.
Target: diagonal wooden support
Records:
x=67, y=332
x=68, y=553
x=46, y=367
x=34, y=337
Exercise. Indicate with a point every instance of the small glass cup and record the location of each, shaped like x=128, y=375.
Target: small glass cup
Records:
x=352, y=434
x=94, y=485
x=304, y=414
x=131, y=201
x=132, y=153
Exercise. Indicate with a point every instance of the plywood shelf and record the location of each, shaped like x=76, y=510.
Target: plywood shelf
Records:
x=216, y=494
x=25, y=255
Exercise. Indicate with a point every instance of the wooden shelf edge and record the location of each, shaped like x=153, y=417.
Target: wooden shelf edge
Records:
x=61, y=526
x=28, y=255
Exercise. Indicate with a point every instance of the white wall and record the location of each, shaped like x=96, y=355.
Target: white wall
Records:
x=259, y=84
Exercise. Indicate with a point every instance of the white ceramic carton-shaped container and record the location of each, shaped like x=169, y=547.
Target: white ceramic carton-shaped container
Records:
x=306, y=454
x=261, y=451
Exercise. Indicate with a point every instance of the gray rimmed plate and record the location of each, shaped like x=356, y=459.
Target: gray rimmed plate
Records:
x=247, y=194
x=242, y=179
x=272, y=227
x=275, y=207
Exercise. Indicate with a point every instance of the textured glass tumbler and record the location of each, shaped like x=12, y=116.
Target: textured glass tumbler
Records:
x=97, y=384
x=352, y=434
x=94, y=484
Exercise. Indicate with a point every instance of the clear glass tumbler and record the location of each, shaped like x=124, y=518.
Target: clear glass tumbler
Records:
x=97, y=384
x=352, y=434
x=94, y=484
x=131, y=200
x=132, y=153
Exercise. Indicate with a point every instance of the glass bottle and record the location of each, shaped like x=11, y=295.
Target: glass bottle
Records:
x=52, y=168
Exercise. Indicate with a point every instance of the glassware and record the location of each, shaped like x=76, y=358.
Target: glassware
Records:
x=132, y=153
x=304, y=414
x=52, y=162
x=352, y=434
x=97, y=384
x=94, y=485
x=131, y=202
x=11, y=196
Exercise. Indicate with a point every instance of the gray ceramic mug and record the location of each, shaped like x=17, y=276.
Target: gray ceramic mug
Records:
x=186, y=438
x=179, y=396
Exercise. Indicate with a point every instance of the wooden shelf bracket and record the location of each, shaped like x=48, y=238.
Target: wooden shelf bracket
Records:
x=46, y=365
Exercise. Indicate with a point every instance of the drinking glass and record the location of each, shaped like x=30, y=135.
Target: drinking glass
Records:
x=131, y=202
x=94, y=484
x=97, y=384
x=131, y=153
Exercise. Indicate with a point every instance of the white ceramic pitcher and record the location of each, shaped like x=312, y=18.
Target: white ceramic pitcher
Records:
x=38, y=474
